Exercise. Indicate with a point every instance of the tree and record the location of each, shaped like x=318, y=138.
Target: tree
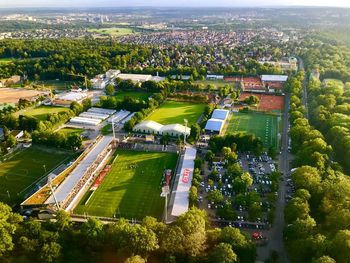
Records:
x=50, y=252
x=142, y=240
x=215, y=196
x=252, y=100
x=11, y=141
x=8, y=225
x=192, y=224
x=193, y=196
x=222, y=253
x=110, y=90
x=226, y=151
x=209, y=156
x=135, y=259
x=241, y=183
x=324, y=259
x=244, y=248
x=341, y=246
x=195, y=132
x=308, y=178
x=63, y=220
x=74, y=141
x=92, y=229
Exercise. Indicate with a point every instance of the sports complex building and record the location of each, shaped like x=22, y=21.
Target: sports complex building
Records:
x=152, y=127
x=217, y=121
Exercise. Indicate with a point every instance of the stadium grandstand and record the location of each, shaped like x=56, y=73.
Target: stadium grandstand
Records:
x=77, y=178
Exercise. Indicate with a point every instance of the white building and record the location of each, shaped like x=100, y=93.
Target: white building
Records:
x=135, y=77
x=152, y=127
x=274, y=78
x=98, y=83
x=112, y=73
x=148, y=127
x=175, y=130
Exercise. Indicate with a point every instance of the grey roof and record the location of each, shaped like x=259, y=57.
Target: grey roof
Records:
x=214, y=125
x=220, y=114
x=71, y=181
x=278, y=78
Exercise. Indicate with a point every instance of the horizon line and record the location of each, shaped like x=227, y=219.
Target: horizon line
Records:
x=179, y=7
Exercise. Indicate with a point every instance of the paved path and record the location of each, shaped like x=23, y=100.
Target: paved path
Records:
x=304, y=95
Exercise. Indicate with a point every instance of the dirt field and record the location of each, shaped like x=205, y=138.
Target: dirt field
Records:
x=267, y=102
x=8, y=95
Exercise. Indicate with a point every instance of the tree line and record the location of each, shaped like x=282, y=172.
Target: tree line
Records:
x=188, y=239
x=317, y=217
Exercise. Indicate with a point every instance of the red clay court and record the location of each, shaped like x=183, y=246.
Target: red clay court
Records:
x=267, y=102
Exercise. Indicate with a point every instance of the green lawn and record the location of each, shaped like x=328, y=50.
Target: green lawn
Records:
x=171, y=112
x=41, y=112
x=262, y=125
x=24, y=168
x=132, y=187
x=141, y=95
x=6, y=60
x=68, y=131
x=113, y=31
x=60, y=84
x=215, y=83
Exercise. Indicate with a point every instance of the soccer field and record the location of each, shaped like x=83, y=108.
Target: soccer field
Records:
x=41, y=112
x=24, y=168
x=171, y=112
x=131, y=189
x=261, y=125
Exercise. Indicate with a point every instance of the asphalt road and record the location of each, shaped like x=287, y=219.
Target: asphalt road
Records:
x=304, y=95
x=276, y=233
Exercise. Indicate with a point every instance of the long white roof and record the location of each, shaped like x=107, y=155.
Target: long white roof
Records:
x=181, y=202
x=71, y=181
x=278, y=78
x=175, y=128
x=149, y=125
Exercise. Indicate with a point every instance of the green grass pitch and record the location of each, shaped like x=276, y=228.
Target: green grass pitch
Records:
x=41, y=112
x=141, y=95
x=131, y=189
x=22, y=169
x=171, y=112
x=68, y=131
x=261, y=125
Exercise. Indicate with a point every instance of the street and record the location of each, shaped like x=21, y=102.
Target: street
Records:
x=276, y=242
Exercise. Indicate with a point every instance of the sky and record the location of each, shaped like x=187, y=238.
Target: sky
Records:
x=169, y=3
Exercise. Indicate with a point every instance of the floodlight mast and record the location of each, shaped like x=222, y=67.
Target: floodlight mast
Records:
x=113, y=129
x=53, y=193
x=186, y=121
x=166, y=208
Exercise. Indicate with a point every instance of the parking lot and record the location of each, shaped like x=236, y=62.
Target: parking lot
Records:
x=262, y=189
